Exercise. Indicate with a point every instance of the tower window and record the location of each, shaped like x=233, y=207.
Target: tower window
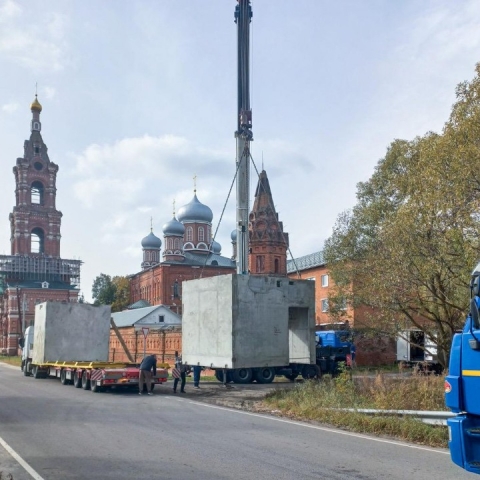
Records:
x=37, y=244
x=260, y=264
x=189, y=234
x=201, y=234
x=37, y=193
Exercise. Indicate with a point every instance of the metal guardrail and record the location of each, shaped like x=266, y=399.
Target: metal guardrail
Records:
x=430, y=417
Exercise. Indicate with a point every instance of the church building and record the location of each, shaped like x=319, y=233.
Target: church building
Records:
x=190, y=252
x=34, y=272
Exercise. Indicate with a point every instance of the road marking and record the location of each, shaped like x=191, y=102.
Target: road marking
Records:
x=20, y=460
x=324, y=429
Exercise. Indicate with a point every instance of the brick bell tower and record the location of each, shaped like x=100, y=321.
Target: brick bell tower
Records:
x=35, y=222
x=34, y=272
x=268, y=242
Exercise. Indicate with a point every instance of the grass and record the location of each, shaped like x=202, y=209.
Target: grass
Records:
x=319, y=401
x=17, y=361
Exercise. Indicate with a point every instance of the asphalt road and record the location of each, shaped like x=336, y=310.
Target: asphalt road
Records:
x=54, y=432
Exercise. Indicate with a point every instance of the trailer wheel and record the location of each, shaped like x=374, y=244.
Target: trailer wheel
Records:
x=94, y=387
x=264, y=374
x=242, y=375
x=63, y=377
x=85, y=381
x=77, y=379
x=219, y=376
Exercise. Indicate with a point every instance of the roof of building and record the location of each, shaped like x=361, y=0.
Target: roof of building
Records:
x=37, y=284
x=306, y=262
x=194, y=211
x=151, y=241
x=139, y=304
x=212, y=259
x=128, y=318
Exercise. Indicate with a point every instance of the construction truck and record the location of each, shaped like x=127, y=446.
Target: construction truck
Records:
x=462, y=387
x=71, y=342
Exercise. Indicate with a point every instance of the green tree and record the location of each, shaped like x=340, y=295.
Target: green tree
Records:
x=407, y=248
x=103, y=290
x=122, y=293
x=111, y=291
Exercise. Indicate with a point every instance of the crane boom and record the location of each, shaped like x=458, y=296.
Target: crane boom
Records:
x=243, y=135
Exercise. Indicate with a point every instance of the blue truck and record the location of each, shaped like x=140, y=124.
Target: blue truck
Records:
x=462, y=387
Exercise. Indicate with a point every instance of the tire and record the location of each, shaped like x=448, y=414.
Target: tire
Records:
x=310, y=372
x=63, y=378
x=291, y=377
x=77, y=379
x=219, y=376
x=242, y=375
x=94, y=387
x=264, y=374
x=26, y=369
x=35, y=372
x=22, y=365
x=85, y=381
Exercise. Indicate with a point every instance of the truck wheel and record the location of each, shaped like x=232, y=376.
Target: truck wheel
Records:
x=264, y=374
x=219, y=376
x=35, y=372
x=26, y=369
x=242, y=375
x=85, y=381
x=291, y=377
x=311, y=371
x=63, y=378
x=77, y=379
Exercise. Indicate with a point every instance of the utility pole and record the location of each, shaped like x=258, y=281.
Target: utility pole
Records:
x=243, y=135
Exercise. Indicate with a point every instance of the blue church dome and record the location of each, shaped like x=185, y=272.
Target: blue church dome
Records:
x=216, y=247
x=195, y=212
x=233, y=236
x=173, y=227
x=151, y=241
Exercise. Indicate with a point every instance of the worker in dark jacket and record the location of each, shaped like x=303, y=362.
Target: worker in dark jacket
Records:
x=145, y=375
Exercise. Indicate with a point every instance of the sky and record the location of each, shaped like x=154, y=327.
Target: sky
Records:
x=139, y=97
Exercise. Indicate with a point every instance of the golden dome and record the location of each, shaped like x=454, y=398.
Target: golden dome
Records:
x=36, y=105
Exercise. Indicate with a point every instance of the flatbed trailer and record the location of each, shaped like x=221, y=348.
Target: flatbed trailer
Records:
x=94, y=376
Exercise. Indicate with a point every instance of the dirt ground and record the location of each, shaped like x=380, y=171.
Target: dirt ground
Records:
x=244, y=397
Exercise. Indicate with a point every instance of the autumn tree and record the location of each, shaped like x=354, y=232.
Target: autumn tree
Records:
x=406, y=250
x=111, y=291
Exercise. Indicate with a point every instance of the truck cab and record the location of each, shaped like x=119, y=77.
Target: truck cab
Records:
x=27, y=351
x=462, y=387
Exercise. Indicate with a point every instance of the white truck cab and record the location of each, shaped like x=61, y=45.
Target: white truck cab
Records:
x=27, y=351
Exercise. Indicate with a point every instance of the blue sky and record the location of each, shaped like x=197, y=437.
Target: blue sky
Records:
x=138, y=97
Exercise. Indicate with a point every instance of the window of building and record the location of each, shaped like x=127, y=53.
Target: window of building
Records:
x=343, y=304
x=37, y=241
x=260, y=263
x=324, y=280
x=177, y=244
x=277, y=265
x=324, y=304
x=161, y=318
x=189, y=234
x=311, y=278
x=37, y=193
x=201, y=234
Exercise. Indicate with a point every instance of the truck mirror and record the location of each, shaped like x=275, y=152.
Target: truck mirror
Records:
x=21, y=342
x=474, y=313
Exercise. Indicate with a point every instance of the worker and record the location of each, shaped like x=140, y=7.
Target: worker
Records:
x=148, y=364
x=179, y=373
x=196, y=375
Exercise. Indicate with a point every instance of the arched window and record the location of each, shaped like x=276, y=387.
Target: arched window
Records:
x=201, y=234
x=177, y=244
x=37, y=193
x=189, y=234
x=37, y=241
x=260, y=264
x=277, y=265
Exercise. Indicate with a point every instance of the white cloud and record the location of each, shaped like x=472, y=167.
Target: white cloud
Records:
x=8, y=10
x=49, y=92
x=10, y=107
x=39, y=46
